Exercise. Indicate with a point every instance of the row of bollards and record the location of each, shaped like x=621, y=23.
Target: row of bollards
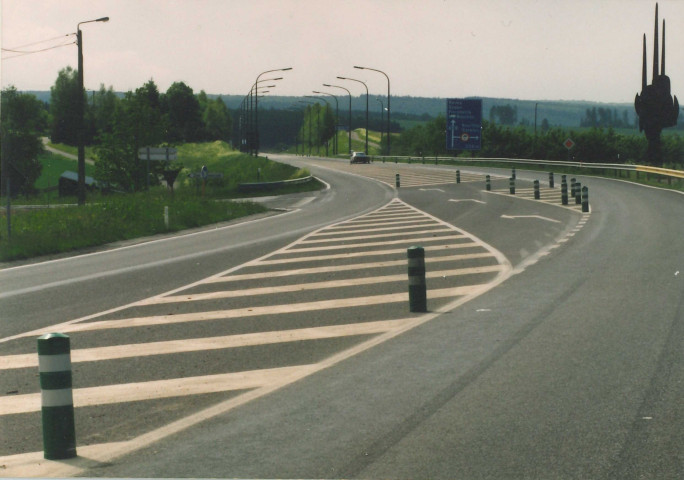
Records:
x=577, y=192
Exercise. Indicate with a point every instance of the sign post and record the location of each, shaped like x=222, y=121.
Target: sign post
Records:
x=155, y=154
x=569, y=144
x=204, y=175
x=464, y=124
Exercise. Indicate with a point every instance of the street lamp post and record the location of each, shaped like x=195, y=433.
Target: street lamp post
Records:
x=382, y=117
x=364, y=84
x=80, y=108
x=253, y=118
x=349, y=126
x=256, y=105
x=388, y=104
x=337, y=118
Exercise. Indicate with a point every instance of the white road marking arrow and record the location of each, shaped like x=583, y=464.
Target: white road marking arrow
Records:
x=467, y=200
x=539, y=217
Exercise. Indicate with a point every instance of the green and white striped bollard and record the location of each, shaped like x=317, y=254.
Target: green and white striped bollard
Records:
x=54, y=361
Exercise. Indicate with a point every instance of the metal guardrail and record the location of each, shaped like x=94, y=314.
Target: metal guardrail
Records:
x=666, y=172
x=260, y=186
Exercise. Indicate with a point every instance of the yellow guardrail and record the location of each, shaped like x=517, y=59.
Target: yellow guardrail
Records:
x=660, y=171
x=666, y=172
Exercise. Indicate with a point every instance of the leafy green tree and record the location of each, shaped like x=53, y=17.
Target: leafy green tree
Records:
x=64, y=119
x=318, y=125
x=103, y=107
x=145, y=110
x=503, y=114
x=117, y=164
x=218, y=123
x=23, y=121
x=183, y=114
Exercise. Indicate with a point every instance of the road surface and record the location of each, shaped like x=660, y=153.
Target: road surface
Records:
x=554, y=352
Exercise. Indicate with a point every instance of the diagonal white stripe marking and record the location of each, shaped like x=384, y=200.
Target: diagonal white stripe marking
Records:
x=350, y=282
x=363, y=254
x=176, y=387
x=342, y=268
x=343, y=246
x=268, y=310
x=211, y=343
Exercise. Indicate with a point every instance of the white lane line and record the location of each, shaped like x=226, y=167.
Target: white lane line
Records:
x=30, y=360
x=538, y=217
x=241, y=313
x=342, y=246
x=390, y=216
x=341, y=268
x=467, y=200
x=368, y=237
x=425, y=223
x=402, y=222
x=350, y=282
x=396, y=251
x=156, y=389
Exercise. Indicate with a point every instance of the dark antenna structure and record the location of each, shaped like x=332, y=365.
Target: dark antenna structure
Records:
x=656, y=107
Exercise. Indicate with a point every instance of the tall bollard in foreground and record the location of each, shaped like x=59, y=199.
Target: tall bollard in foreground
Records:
x=511, y=185
x=416, y=279
x=564, y=193
x=488, y=183
x=585, y=199
x=537, y=195
x=458, y=176
x=397, y=181
x=59, y=431
x=578, y=193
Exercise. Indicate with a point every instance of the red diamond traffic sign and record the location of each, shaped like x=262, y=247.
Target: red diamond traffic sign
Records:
x=569, y=143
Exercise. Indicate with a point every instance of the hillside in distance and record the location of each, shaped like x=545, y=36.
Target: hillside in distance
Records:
x=568, y=114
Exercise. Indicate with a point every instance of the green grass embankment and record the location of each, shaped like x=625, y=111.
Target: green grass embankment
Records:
x=109, y=218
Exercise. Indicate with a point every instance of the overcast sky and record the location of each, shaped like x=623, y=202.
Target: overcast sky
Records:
x=526, y=49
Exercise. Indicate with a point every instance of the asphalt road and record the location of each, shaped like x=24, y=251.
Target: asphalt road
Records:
x=569, y=367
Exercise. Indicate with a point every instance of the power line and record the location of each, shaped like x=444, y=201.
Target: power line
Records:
x=41, y=41
x=19, y=50
x=21, y=53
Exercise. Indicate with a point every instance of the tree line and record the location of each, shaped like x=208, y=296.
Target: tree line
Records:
x=117, y=125
x=597, y=145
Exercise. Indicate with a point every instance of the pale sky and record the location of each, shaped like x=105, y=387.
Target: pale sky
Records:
x=526, y=49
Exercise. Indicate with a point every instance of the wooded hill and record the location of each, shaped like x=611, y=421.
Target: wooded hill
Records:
x=409, y=109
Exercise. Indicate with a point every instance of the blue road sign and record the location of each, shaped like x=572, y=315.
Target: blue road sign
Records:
x=464, y=124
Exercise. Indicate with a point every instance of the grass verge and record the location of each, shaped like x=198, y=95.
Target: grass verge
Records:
x=106, y=219
x=53, y=230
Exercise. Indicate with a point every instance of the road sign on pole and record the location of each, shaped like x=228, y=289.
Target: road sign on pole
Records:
x=464, y=124
x=157, y=153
